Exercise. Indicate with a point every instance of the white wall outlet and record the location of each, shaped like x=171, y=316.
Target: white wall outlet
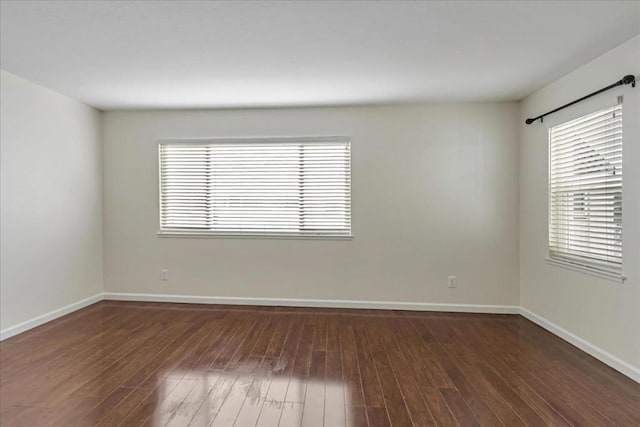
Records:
x=452, y=281
x=164, y=275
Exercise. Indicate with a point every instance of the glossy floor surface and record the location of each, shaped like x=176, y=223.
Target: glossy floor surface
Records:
x=145, y=364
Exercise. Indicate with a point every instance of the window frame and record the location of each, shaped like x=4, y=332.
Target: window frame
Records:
x=593, y=269
x=255, y=234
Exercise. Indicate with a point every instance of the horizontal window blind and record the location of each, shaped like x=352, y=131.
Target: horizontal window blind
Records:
x=257, y=187
x=585, y=190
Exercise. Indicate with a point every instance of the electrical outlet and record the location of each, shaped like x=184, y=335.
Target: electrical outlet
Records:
x=164, y=275
x=452, y=281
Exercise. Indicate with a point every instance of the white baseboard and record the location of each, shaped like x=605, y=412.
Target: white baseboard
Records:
x=605, y=357
x=589, y=348
x=287, y=302
x=48, y=317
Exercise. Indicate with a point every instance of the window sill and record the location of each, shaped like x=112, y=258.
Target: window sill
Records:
x=199, y=234
x=612, y=276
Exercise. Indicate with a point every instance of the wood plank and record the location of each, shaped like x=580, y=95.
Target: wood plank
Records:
x=370, y=383
x=256, y=396
x=291, y=414
x=270, y=414
x=313, y=409
x=377, y=416
x=215, y=398
x=356, y=416
x=354, y=395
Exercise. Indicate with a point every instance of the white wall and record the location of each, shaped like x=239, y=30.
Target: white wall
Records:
x=601, y=312
x=51, y=206
x=435, y=193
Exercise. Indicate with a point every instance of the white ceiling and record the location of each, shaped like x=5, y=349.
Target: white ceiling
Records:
x=183, y=54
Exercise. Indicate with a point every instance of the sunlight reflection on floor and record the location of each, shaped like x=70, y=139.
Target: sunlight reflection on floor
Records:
x=220, y=398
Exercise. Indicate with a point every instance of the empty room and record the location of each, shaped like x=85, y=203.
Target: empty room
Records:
x=319, y=213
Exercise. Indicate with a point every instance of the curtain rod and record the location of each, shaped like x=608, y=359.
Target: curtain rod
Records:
x=628, y=79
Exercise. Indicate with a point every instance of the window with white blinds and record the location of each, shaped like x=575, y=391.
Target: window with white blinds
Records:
x=271, y=187
x=585, y=191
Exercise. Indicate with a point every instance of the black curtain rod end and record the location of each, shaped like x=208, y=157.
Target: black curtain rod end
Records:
x=629, y=79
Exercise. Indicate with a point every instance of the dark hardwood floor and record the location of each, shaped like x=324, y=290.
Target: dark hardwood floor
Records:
x=147, y=364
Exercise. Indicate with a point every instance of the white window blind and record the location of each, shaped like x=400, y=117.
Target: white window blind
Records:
x=585, y=191
x=282, y=187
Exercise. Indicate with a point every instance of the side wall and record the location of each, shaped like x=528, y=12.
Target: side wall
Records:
x=51, y=206
x=435, y=193
x=598, y=313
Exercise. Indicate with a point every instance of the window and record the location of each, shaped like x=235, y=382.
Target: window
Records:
x=270, y=187
x=585, y=191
